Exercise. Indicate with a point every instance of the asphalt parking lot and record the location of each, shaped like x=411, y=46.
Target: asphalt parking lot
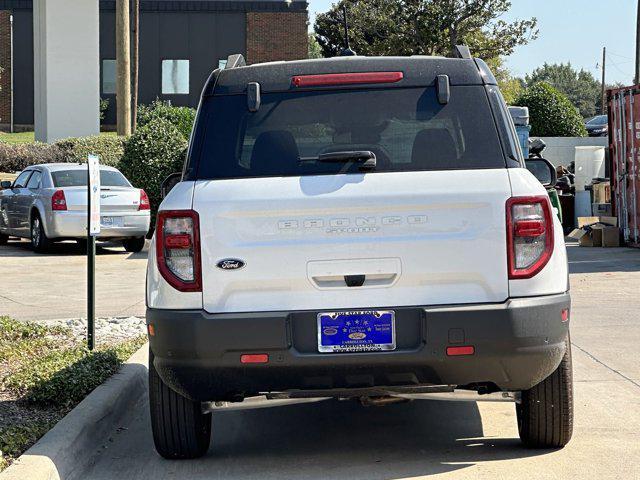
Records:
x=54, y=285
x=434, y=439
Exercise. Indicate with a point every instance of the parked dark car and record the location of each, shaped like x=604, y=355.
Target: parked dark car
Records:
x=597, y=126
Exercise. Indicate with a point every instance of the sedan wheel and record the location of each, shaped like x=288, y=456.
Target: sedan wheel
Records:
x=39, y=240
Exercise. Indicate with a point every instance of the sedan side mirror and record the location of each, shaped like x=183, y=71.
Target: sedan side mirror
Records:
x=543, y=170
x=170, y=182
x=5, y=184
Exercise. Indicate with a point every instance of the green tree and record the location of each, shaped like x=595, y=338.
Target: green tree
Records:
x=582, y=89
x=314, y=47
x=552, y=114
x=423, y=27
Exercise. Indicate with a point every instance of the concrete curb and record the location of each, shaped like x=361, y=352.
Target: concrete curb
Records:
x=70, y=446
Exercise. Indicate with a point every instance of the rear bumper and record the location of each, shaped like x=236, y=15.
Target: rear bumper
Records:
x=517, y=344
x=73, y=224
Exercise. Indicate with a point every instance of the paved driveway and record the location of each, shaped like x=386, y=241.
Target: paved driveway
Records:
x=54, y=285
x=435, y=439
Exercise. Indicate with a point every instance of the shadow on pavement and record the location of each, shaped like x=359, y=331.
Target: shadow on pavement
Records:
x=598, y=259
x=18, y=248
x=328, y=439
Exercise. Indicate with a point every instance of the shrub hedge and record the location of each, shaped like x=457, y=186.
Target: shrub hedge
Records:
x=16, y=157
x=150, y=155
x=180, y=117
x=552, y=113
x=108, y=148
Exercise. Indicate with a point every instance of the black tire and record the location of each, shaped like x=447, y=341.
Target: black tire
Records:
x=39, y=240
x=545, y=414
x=133, y=245
x=4, y=239
x=180, y=429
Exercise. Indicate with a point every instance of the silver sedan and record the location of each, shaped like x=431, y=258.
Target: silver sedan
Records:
x=47, y=203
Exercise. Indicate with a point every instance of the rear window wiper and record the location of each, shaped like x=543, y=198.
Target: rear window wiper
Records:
x=366, y=158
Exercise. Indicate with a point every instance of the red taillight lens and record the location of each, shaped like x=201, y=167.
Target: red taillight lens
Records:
x=346, y=79
x=178, y=249
x=58, y=200
x=529, y=235
x=144, y=201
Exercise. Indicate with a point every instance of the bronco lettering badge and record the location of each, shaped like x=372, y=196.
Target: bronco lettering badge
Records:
x=230, y=264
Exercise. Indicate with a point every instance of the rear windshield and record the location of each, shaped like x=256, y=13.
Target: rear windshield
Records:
x=78, y=178
x=406, y=128
x=597, y=121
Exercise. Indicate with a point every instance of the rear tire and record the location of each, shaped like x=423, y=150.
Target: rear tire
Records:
x=133, y=245
x=545, y=414
x=180, y=429
x=4, y=239
x=39, y=240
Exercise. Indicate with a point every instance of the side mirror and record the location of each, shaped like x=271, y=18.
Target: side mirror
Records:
x=543, y=170
x=170, y=182
x=5, y=184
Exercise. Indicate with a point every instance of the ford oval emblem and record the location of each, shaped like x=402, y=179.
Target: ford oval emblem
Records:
x=230, y=264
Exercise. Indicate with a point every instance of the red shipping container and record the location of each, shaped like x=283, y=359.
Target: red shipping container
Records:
x=624, y=151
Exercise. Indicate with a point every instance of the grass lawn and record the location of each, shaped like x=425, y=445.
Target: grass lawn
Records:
x=28, y=137
x=44, y=373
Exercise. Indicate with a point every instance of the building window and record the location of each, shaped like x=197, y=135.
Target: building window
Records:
x=175, y=77
x=109, y=77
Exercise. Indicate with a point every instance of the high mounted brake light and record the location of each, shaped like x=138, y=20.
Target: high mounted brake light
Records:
x=346, y=79
x=178, y=249
x=529, y=235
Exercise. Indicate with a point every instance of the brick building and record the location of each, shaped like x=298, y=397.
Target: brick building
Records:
x=181, y=42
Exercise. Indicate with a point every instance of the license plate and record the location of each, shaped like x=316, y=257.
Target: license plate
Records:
x=111, y=221
x=356, y=331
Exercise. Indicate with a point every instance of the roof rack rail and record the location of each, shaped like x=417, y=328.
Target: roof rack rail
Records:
x=462, y=51
x=234, y=61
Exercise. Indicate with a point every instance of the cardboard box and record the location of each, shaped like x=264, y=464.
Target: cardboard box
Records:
x=586, y=221
x=601, y=209
x=602, y=192
x=610, y=237
x=597, y=232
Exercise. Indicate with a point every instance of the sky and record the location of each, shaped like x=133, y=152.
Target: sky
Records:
x=570, y=31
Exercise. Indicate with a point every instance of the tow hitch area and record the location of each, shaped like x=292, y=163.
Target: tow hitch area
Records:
x=377, y=397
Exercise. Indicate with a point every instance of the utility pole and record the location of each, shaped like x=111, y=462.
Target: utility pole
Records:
x=603, y=110
x=636, y=79
x=136, y=64
x=123, y=67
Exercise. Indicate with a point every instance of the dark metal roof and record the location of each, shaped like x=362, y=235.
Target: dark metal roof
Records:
x=187, y=5
x=418, y=71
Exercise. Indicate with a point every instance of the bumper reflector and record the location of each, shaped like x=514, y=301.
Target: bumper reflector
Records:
x=254, y=358
x=151, y=329
x=565, y=315
x=455, y=351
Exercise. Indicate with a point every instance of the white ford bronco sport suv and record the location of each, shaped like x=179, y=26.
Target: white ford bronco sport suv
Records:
x=356, y=228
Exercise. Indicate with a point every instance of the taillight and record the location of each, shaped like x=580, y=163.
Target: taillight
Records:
x=144, y=201
x=529, y=235
x=178, y=249
x=58, y=200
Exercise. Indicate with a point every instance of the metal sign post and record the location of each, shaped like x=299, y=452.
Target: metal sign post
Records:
x=93, y=229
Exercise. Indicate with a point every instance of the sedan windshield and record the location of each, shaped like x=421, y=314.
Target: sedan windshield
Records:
x=78, y=178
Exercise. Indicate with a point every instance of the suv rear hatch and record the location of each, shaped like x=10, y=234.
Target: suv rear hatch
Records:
x=426, y=226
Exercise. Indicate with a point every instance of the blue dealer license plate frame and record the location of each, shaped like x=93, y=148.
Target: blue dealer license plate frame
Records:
x=356, y=331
